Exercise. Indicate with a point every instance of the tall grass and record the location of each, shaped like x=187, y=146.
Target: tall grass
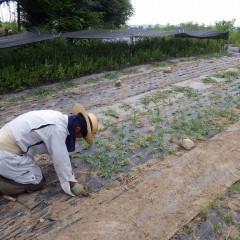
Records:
x=60, y=59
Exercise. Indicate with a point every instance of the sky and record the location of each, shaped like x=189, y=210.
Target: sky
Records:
x=173, y=12
x=205, y=12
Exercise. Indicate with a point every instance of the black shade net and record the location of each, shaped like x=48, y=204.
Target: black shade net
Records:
x=30, y=37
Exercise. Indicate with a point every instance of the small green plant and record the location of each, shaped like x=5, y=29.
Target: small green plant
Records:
x=111, y=113
x=188, y=91
x=235, y=187
x=228, y=217
x=228, y=75
x=217, y=226
x=110, y=76
x=214, y=205
x=209, y=80
x=87, y=192
x=42, y=92
x=125, y=106
x=205, y=213
x=66, y=85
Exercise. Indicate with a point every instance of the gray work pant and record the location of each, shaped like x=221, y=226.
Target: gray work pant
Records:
x=9, y=187
x=19, y=174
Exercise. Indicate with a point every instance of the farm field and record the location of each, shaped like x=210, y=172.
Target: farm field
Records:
x=141, y=182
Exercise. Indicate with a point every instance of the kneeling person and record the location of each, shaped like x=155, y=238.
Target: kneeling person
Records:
x=39, y=132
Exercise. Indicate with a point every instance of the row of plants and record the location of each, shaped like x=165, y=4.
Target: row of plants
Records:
x=152, y=127
x=60, y=59
x=221, y=218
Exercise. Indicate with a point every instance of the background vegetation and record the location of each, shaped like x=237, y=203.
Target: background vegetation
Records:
x=61, y=59
x=72, y=15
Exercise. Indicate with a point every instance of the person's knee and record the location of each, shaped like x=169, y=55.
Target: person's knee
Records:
x=35, y=187
x=9, y=187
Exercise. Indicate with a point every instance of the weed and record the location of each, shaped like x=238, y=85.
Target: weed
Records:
x=66, y=85
x=113, y=75
x=235, y=187
x=101, y=142
x=220, y=196
x=228, y=75
x=204, y=213
x=92, y=80
x=159, y=156
x=155, y=97
x=214, y=205
x=228, y=217
x=111, y=113
x=209, y=80
x=87, y=192
x=42, y=92
x=114, y=128
x=121, y=135
x=150, y=150
x=17, y=99
x=119, y=155
x=106, y=123
x=139, y=140
x=188, y=91
x=128, y=71
x=125, y=106
x=171, y=150
x=217, y=226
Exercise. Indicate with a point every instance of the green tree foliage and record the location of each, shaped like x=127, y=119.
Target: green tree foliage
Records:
x=70, y=15
x=225, y=25
x=115, y=12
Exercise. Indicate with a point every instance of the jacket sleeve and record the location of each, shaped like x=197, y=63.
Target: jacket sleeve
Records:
x=55, y=144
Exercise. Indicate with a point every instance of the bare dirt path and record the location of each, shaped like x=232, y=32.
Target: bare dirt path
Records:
x=160, y=196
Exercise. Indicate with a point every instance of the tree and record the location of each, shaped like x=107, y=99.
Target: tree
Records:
x=225, y=25
x=115, y=12
x=69, y=15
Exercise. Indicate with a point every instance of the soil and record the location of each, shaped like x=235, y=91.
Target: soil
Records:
x=151, y=197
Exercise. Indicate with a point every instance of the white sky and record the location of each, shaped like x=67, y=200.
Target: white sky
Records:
x=181, y=11
x=171, y=11
x=7, y=13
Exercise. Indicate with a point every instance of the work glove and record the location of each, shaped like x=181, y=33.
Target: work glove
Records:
x=77, y=189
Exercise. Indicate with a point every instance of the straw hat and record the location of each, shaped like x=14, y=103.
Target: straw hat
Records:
x=91, y=120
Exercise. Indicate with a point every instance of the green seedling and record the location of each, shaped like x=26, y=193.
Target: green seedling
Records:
x=228, y=75
x=111, y=76
x=128, y=71
x=205, y=213
x=209, y=80
x=67, y=85
x=42, y=92
x=125, y=106
x=217, y=226
x=214, y=205
x=111, y=113
x=228, y=217
x=235, y=187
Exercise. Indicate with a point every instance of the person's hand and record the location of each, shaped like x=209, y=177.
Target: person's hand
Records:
x=77, y=189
